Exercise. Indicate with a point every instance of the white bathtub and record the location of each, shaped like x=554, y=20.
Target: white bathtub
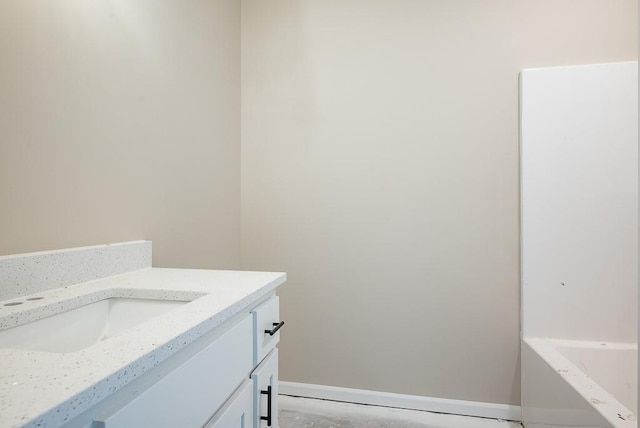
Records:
x=579, y=384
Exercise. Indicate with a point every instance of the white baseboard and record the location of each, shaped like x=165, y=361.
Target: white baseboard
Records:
x=413, y=402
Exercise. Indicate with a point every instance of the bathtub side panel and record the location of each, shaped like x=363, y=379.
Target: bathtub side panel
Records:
x=548, y=401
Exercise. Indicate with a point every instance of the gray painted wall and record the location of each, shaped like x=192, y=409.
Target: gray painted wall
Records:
x=380, y=170
x=120, y=120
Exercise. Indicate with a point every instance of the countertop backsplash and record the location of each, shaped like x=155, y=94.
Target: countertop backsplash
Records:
x=25, y=274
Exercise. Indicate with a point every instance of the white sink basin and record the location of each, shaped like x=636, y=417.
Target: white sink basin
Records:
x=84, y=326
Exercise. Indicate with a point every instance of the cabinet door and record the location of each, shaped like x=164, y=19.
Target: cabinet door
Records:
x=265, y=389
x=238, y=411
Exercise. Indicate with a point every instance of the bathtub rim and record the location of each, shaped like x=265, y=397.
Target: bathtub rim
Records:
x=608, y=406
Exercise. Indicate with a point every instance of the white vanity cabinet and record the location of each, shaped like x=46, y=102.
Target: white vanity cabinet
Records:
x=237, y=411
x=265, y=384
x=226, y=379
x=265, y=375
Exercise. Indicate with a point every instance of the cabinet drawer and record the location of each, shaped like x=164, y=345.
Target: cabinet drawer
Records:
x=266, y=318
x=237, y=411
x=191, y=394
x=265, y=390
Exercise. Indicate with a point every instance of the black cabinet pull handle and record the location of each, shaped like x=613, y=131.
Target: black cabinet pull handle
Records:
x=276, y=326
x=268, y=417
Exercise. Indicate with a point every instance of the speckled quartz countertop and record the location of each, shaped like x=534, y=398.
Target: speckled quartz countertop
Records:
x=48, y=389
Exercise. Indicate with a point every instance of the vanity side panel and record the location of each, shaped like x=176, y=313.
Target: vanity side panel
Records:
x=191, y=394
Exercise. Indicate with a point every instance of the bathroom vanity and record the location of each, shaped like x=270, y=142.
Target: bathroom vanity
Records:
x=146, y=347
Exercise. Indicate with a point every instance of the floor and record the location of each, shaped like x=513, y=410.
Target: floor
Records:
x=297, y=412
